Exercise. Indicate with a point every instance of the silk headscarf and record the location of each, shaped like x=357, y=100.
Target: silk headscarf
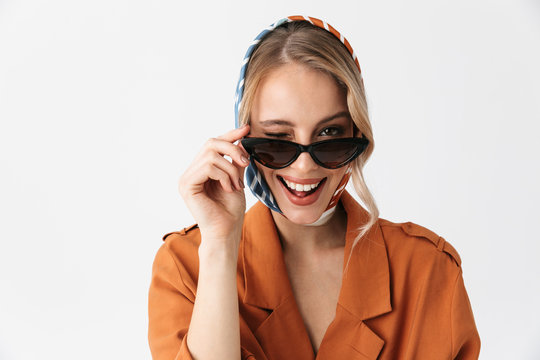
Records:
x=254, y=179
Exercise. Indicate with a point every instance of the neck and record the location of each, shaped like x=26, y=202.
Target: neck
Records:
x=304, y=239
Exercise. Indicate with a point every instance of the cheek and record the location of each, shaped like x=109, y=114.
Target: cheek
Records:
x=337, y=176
x=266, y=173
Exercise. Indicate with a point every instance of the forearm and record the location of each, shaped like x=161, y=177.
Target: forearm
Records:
x=214, y=331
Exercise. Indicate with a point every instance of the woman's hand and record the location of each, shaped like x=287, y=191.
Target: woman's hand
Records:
x=212, y=187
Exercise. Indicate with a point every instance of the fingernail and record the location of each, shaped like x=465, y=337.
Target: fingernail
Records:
x=245, y=160
x=243, y=126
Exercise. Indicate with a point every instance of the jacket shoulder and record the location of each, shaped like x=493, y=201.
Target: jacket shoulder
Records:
x=183, y=245
x=418, y=231
x=185, y=231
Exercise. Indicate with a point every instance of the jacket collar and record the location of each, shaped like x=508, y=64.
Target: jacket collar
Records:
x=365, y=288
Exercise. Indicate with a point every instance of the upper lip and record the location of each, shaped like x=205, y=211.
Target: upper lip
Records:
x=301, y=181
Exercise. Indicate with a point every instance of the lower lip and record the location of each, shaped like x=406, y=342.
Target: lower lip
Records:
x=302, y=201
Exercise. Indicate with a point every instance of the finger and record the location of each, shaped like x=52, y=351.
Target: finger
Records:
x=215, y=173
x=230, y=169
x=243, y=148
x=241, y=171
x=235, y=134
x=204, y=169
x=238, y=154
x=241, y=167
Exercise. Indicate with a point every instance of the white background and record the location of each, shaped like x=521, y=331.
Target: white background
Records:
x=103, y=104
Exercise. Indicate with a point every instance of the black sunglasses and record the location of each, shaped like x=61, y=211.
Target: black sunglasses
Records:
x=330, y=154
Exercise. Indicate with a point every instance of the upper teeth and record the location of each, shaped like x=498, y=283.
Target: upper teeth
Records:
x=301, y=187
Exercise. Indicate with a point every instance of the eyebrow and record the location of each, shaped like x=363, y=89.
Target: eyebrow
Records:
x=288, y=123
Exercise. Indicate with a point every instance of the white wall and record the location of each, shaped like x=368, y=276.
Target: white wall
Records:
x=104, y=103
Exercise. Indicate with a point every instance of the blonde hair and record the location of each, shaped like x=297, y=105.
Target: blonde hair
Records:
x=307, y=44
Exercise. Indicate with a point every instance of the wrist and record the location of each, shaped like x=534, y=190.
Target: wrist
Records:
x=219, y=248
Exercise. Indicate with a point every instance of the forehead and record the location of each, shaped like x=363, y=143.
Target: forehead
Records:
x=297, y=94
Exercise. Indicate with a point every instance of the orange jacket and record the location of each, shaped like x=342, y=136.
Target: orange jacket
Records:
x=402, y=298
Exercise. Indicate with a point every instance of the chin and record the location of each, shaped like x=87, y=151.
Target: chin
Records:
x=301, y=217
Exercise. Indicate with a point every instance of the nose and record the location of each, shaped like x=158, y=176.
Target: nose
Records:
x=304, y=163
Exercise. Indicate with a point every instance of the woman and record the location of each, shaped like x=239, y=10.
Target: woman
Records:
x=307, y=272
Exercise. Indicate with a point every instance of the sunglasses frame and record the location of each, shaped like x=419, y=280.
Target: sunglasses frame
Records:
x=363, y=142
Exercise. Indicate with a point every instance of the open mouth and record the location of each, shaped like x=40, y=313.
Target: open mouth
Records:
x=301, y=190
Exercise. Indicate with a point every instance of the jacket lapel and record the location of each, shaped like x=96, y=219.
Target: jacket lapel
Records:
x=282, y=335
x=364, y=294
x=365, y=291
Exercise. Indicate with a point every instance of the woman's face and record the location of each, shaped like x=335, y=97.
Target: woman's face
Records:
x=299, y=104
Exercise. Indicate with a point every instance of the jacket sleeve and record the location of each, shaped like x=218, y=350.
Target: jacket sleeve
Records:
x=169, y=309
x=465, y=338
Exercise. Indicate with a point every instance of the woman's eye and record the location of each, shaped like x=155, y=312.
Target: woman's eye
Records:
x=331, y=131
x=276, y=134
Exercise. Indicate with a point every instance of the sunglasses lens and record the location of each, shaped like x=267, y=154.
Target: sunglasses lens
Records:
x=335, y=154
x=274, y=154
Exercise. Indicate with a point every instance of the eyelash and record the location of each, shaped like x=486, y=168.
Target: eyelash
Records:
x=276, y=134
x=337, y=129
